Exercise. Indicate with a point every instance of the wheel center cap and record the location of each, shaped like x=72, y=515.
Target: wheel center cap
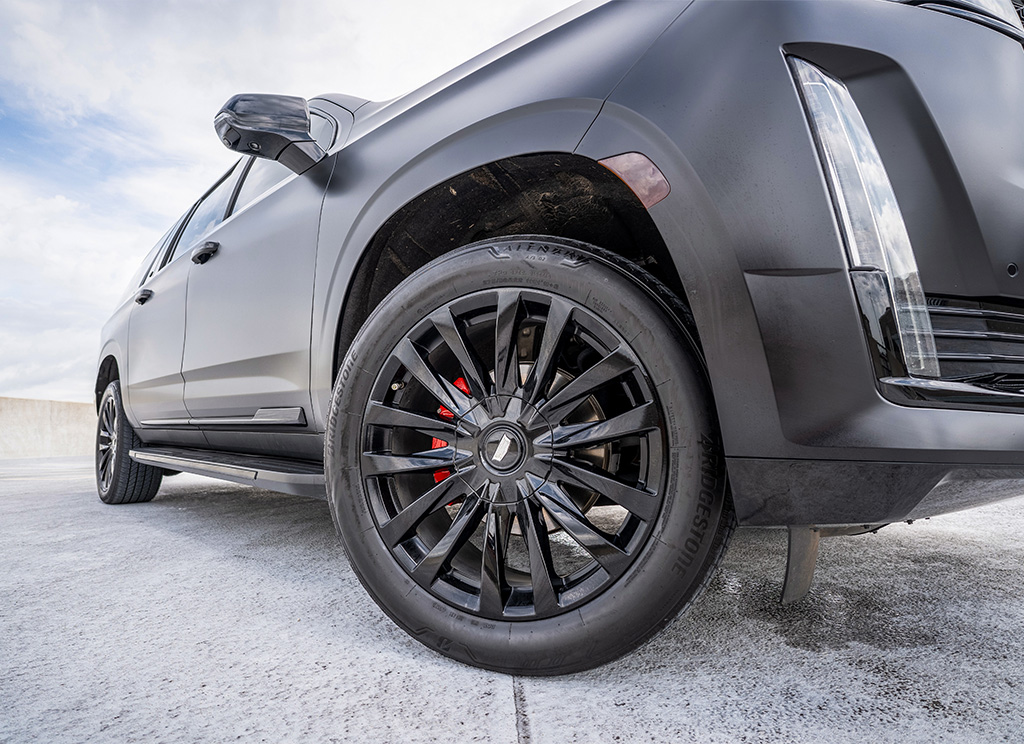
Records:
x=502, y=448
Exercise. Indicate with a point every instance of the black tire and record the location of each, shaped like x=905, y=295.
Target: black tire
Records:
x=599, y=450
x=119, y=479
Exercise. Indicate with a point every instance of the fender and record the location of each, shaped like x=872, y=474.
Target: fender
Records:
x=704, y=255
x=112, y=348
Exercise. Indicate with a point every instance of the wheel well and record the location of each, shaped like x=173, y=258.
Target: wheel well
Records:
x=561, y=195
x=107, y=374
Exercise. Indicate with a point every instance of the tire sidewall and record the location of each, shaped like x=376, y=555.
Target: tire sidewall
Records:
x=673, y=563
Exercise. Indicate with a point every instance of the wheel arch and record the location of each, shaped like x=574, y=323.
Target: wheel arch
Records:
x=559, y=194
x=108, y=371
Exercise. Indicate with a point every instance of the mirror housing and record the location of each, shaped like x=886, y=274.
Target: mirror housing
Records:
x=269, y=126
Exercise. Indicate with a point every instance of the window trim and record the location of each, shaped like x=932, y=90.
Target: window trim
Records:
x=238, y=187
x=169, y=250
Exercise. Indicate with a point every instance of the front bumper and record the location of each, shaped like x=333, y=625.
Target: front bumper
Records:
x=862, y=440
x=813, y=431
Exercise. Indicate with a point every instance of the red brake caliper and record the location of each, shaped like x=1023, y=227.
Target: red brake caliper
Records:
x=440, y=475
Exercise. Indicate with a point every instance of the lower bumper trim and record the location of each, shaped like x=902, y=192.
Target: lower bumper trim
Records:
x=778, y=493
x=949, y=394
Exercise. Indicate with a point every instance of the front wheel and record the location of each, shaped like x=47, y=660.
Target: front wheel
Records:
x=522, y=457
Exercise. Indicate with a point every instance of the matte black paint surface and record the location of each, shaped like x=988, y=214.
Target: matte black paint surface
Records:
x=703, y=90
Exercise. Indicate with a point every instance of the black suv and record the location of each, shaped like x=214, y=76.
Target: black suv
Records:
x=545, y=330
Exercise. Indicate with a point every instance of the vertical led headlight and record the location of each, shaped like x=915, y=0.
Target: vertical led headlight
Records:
x=882, y=263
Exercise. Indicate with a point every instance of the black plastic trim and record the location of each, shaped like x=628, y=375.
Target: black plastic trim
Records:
x=957, y=357
x=773, y=492
x=975, y=313
x=978, y=335
x=912, y=391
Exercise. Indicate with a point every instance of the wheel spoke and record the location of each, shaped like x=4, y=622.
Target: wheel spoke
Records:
x=378, y=414
x=506, y=332
x=399, y=527
x=642, y=419
x=445, y=392
x=492, y=565
x=106, y=443
x=545, y=365
x=641, y=503
x=473, y=370
x=465, y=522
x=535, y=530
x=442, y=457
x=576, y=525
x=106, y=424
x=505, y=492
x=566, y=400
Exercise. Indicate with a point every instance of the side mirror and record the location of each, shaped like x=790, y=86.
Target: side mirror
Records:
x=269, y=126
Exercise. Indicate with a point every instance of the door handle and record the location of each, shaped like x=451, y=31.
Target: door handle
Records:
x=142, y=295
x=205, y=252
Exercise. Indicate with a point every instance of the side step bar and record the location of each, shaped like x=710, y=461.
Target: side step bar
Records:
x=296, y=477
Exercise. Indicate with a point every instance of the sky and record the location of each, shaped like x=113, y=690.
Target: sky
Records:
x=106, y=133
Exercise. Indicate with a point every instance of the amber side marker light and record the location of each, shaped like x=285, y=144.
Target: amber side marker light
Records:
x=641, y=175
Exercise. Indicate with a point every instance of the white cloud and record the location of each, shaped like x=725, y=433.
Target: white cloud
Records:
x=64, y=265
x=118, y=98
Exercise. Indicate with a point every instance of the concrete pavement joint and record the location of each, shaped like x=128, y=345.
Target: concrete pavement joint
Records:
x=522, y=719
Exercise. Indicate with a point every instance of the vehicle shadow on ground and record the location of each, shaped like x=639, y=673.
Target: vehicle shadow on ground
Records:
x=862, y=593
x=249, y=518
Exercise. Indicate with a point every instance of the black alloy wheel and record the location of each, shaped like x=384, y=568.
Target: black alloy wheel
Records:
x=513, y=454
x=501, y=461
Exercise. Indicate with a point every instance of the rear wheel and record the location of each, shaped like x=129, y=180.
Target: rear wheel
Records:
x=119, y=479
x=522, y=457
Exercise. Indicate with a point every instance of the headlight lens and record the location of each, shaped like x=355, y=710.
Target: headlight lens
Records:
x=872, y=225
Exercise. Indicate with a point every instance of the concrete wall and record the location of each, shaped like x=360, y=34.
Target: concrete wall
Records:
x=45, y=428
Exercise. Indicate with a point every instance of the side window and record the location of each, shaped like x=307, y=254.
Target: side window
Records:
x=209, y=213
x=164, y=242
x=152, y=258
x=263, y=174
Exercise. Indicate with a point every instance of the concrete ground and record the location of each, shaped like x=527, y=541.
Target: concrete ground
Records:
x=220, y=613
